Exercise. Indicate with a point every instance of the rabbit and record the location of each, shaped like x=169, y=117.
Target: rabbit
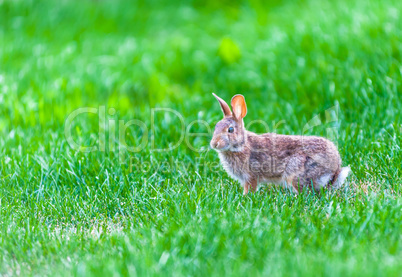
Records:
x=295, y=162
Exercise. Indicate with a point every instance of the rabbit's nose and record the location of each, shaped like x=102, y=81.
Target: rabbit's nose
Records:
x=214, y=144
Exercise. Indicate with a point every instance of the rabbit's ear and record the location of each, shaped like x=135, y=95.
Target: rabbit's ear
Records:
x=239, y=107
x=225, y=108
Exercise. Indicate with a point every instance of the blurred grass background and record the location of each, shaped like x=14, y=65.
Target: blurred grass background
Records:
x=72, y=213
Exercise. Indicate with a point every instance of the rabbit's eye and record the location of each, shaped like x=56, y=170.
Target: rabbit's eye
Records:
x=231, y=129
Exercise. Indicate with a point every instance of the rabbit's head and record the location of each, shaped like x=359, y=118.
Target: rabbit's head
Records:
x=229, y=134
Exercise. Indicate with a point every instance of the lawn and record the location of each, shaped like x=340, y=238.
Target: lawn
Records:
x=106, y=114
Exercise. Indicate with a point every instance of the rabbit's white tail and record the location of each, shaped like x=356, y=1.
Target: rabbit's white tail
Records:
x=343, y=174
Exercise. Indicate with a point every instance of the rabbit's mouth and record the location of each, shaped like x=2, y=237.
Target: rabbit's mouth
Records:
x=219, y=145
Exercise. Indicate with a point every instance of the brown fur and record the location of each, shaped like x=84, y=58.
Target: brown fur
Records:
x=297, y=162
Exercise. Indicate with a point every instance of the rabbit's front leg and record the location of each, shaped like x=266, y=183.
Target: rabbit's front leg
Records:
x=250, y=184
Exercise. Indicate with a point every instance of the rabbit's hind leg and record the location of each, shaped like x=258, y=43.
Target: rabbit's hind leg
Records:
x=295, y=183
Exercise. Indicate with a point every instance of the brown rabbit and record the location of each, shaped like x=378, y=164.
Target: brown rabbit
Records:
x=295, y=162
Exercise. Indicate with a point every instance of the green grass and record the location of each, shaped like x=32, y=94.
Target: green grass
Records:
x=66, y=212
